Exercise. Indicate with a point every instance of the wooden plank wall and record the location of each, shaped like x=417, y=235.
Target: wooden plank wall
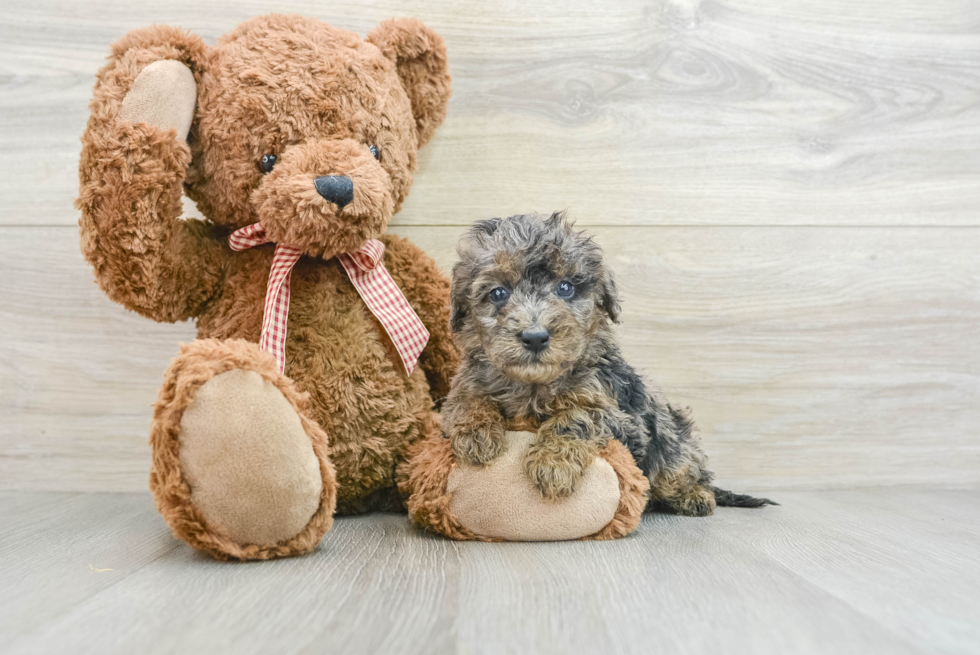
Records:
x=788, y=191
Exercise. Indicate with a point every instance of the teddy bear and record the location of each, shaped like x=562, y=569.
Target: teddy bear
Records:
x=322, y=342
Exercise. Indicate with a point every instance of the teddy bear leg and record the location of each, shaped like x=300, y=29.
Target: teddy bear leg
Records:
x=239, y=469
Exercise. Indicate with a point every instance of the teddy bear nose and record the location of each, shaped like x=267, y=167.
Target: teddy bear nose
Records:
x=338, y=189
x=535, y=340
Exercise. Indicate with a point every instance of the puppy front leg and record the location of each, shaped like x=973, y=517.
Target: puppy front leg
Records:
x=567, y=444
x=474, y=427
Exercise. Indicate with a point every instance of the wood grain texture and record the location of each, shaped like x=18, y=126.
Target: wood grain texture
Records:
x=739, y=112
x=877, y=551
x=59, y=550
x=816, y=357
x=872, y=571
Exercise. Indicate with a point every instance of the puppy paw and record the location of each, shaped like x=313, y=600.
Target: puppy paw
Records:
x=479, y=445
x=696, y=502
x=556, y=465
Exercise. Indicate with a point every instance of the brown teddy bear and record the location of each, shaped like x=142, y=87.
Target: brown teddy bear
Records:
x=298, y=142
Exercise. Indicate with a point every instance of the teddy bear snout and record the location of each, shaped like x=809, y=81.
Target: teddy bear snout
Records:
x=338, y=189
x=325, y=196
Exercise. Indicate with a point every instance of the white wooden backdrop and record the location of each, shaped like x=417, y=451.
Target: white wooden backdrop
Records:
x=789, y=192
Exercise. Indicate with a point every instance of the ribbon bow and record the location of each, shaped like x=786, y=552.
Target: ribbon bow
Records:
x=368, y=275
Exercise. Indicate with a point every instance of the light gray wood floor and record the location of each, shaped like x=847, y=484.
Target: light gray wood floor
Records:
x=870, y=571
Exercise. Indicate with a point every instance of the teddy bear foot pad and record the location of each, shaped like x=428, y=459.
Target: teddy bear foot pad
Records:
x=239, y=471
x=498, y=500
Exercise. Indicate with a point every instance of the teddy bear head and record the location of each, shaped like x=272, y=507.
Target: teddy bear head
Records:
x=300, y=125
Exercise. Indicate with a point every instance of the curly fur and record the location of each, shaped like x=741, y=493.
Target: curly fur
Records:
x=580, y=389
x=633, y=493
x=317, y=97
x=425, y=487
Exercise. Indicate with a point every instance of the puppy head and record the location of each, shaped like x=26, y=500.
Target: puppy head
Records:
x=530, y=294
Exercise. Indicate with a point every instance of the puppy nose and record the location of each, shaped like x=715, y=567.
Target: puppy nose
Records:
x=338, y=189
x=535, y=340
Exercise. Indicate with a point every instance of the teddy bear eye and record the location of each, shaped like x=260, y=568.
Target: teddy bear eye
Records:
x=498, y=295
x=267, y=162
x=374, y=151
x=565, y=289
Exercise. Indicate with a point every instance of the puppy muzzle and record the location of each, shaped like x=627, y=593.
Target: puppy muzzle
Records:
x=535, y=340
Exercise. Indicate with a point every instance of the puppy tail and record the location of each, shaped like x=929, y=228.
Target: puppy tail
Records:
x=729, y=499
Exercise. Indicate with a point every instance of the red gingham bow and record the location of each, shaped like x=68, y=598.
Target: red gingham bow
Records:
x=368, y=275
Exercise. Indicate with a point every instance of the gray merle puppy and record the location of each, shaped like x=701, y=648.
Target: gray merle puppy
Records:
x=532, y=306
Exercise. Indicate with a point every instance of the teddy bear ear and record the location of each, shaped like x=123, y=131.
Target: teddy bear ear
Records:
x=420, y=57
x=152, y=77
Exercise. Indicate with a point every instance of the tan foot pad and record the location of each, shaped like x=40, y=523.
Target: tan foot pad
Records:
x=239, y=469
x=250, y=466
x=498, y=502
x=164, y=95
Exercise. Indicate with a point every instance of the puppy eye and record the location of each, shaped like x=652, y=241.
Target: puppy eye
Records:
x=374, y=151
x=565, y=289
x=267, y=162
x=498, y=295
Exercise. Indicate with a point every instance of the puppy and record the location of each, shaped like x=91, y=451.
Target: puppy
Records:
x=532, y=306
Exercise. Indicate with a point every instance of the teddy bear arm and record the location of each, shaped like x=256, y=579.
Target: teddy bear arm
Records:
x=144, y=256
x=427, y=291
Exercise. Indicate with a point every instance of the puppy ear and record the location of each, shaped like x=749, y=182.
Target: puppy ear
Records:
x=457, y=298
x=420, y=57
x=559, y=219
x=608, y=295
x=151, y=77
x=485, y=227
